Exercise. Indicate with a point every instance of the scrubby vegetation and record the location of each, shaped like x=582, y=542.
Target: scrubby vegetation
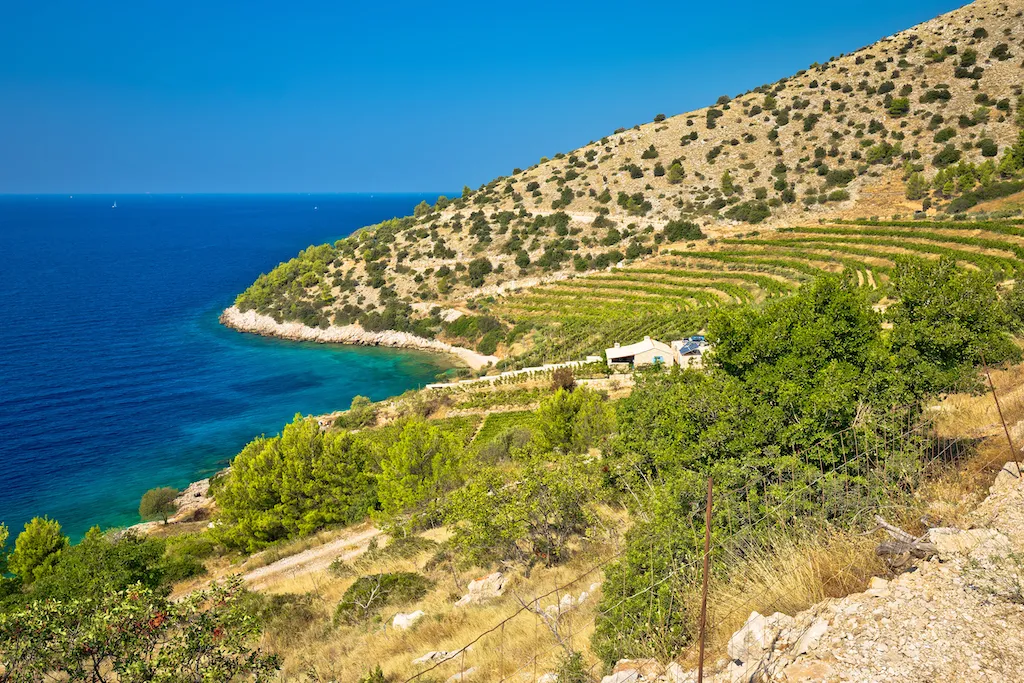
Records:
x=370, y=594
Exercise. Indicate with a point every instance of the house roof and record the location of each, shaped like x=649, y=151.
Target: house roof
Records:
x=687, y=346
x=647, y=344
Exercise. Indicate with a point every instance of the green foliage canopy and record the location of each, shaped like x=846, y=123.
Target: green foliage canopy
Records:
x=37, y=549
x=573, y=421
x=944, y=320
x=425, y=463
x=158, y=502
x=294, y=484
x=135, y=634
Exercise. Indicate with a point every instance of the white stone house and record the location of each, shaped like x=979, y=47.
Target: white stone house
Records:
x=646, y=352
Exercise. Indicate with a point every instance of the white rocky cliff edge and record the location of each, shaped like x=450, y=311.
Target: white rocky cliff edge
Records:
x=251, y=321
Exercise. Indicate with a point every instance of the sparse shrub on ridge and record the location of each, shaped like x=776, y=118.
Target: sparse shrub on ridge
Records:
x=370, y=594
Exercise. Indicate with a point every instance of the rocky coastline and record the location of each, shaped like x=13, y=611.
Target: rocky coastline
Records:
x=256, y=323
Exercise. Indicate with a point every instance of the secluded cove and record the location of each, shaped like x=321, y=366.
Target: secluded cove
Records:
x=117, y=375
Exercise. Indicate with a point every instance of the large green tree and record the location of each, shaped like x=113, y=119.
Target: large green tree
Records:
x=944, y=320
x=526, y=515
x=158, y=503
x=294, y=484
x=572, y=421
x=417, y=470
x=807, y=360
x=106, y=562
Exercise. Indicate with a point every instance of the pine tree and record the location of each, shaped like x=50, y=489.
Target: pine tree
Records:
x=675, y=173
x=916, y=186
x=728, y=188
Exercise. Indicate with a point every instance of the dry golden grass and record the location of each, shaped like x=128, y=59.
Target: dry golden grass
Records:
x=1012, y=203
x=975, y=415
x=785, y=575
x=317, y=650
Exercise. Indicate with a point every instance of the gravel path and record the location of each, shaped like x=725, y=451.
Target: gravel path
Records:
x=346, y=548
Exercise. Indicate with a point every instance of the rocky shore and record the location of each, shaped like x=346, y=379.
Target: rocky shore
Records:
x=255, y=323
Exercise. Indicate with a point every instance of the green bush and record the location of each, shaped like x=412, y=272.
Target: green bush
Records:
x=678, y=230
x=840, y=177
x=573, y=421
x=988, y=147
x=479, y=269
x=944, y=319
x=418, y=469
x=949, y=155
x=101, y=563
x=900, y=106
x=489, y=342
x=360, y=413
x=751, y=211
x=572, y=668
x=370, y=594
x=137, y=634
x=991, y=191
x=526, y=517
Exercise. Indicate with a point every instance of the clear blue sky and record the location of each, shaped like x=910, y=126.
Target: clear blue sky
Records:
x=333, y=96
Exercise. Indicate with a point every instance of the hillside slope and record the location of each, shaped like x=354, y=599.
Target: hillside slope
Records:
x=931, y=113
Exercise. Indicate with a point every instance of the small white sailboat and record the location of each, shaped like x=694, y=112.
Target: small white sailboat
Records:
x=114, y=206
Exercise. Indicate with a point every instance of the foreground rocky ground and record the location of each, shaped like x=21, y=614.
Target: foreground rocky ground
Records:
x=956, y=616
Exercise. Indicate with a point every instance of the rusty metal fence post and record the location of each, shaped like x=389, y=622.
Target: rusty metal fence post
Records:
x=999, y=408
x=704, y=589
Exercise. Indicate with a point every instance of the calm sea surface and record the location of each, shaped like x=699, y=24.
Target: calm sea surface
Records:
x=115, y=375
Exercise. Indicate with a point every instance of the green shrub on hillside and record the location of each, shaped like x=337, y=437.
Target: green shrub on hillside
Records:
x=678, y=230
x=101, y=563
x=37, y=549
x=944, y=320
x=573, y=421
x=527, y=516
x=361, y=412
x=158, y=503
x=751, y=211
x=137, y=634
x=900, y=106
x=948, y=155
x=370, y=594
x=479, y=269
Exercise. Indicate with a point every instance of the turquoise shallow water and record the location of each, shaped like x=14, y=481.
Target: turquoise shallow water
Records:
x=117, y=377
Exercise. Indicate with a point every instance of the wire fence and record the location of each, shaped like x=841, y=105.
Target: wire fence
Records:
x=839, y=484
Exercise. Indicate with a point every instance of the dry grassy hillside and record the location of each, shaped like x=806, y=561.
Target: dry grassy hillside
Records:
x=839, y=139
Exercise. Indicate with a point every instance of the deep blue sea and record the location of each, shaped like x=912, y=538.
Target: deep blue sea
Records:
x=115, y=375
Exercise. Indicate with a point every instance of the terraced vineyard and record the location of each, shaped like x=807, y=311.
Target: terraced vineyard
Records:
x=670, y=296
